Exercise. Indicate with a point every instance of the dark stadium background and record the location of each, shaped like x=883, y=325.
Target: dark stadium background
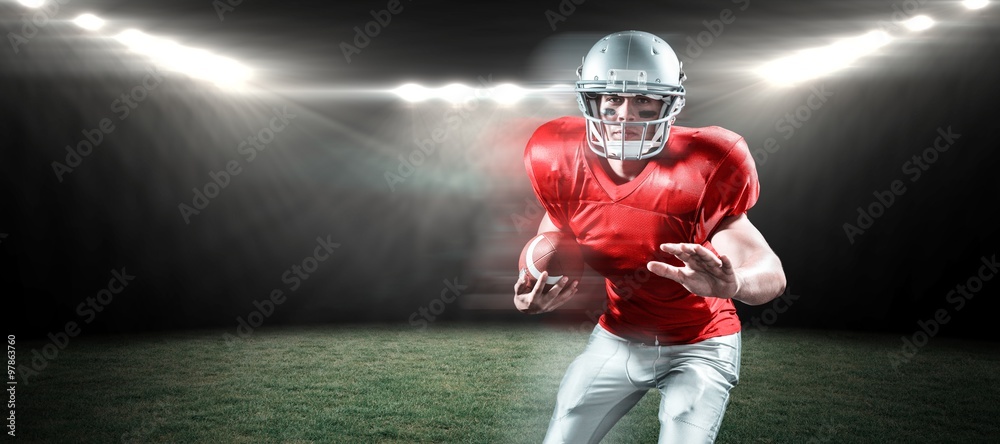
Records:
x=458, y=217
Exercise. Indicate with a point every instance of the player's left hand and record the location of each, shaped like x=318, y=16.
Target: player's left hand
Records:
x=704, y=273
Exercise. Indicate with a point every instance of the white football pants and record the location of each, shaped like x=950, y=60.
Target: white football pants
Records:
x=612, y=375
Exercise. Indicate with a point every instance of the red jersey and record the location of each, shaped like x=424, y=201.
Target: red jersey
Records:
x=702, y=176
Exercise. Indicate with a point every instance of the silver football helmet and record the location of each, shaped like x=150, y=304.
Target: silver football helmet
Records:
x=630, y=63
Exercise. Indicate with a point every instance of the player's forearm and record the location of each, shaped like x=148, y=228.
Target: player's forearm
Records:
x=760, y=281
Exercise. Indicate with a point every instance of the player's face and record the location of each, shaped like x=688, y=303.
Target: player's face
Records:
x=629, y=109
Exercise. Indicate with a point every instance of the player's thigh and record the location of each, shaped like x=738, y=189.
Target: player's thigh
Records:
x=595, y=393
x=695, y=391
x=598, y=375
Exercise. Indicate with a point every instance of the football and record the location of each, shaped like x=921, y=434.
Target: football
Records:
x=552, y=251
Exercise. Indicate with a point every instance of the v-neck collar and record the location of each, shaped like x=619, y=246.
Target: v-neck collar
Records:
x=615, y=191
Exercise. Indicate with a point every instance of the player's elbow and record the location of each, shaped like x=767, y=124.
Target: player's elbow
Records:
x=778, y=283
x=769, y=286
x=781, y=283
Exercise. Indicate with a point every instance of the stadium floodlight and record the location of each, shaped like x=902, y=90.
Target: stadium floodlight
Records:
x=89, y=22
x=811, y=63
x=919, y=23
x=194, y=62
x=456, y=93
x=975, y=4
x=31, y=3
x=507, y=93
x=411, y=92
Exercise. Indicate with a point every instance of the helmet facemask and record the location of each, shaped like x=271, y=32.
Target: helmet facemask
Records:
x=629, y=64
x=653, y=134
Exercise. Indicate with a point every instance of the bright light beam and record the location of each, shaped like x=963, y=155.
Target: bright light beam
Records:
x=194, y=62
x=413, y=93
x=89, y=22
x=456, y=93
x=816, y=62
x=507, y=93
x=975, y=4
x=504, y=94
x=919, y=23
x=31, y=3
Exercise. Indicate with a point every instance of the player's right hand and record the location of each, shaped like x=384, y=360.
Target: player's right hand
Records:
x=533, y=300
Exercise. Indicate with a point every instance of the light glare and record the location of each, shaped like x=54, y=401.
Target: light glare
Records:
x=89, y=22
x=31, y=3
x=197, y=63
x=456, y=93
x=919, y=23
x=975, y=4
x=411, y=92
x=503, y=94
x=507, y=93
x=816, y=62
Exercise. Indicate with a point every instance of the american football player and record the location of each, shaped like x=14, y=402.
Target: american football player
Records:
x=660, y=212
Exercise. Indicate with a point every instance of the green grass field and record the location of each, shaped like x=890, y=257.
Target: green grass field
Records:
x=483, y=384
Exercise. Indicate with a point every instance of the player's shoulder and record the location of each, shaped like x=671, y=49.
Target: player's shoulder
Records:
x=710, y=143
x=562, y=129
x=554, y=139
x=708, y=136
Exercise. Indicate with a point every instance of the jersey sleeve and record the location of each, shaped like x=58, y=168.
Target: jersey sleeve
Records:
x=542, y=165
x=732, y=189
